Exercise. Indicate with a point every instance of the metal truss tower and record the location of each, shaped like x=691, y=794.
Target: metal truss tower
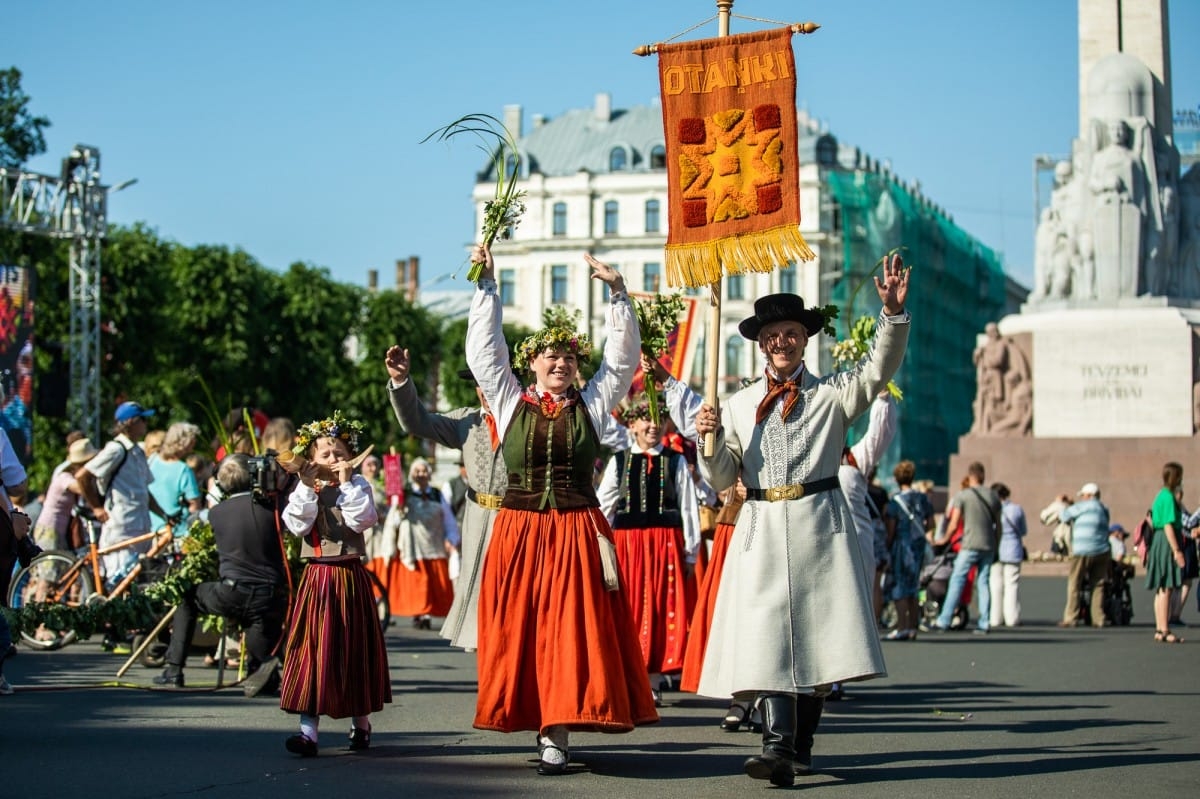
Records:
x=73, y=206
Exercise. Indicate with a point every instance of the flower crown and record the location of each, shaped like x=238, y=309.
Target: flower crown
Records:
x=336, y=426
x=554, y=338
x=628, y=414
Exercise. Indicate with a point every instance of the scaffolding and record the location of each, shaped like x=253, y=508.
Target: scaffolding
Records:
x=72, y=205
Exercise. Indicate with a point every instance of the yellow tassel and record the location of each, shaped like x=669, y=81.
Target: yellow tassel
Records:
x=702, y=264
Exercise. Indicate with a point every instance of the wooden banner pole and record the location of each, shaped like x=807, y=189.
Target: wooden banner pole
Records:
x=713, y=349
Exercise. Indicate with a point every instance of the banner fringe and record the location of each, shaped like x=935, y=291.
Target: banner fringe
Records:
x=704, y=263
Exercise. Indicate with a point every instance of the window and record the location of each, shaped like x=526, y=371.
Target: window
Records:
x=650, y=276
x=733, y=287
x=694, y=291
x=658, y=157
x=651, y=216
x=507, y=281
x=787, y=279
x=559, y=219
x=617, y=159
x=610, y=218
x=558, y=284
x=733, y=356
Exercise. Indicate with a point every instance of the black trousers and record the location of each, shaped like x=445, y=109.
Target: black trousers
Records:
x=259, y=611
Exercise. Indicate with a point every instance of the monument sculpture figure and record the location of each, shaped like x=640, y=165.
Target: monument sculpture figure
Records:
x=1004, y=387
x=1118, y=183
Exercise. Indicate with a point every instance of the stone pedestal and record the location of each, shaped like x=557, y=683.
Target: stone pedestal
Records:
x=1128, y=471
x=1114, y=398
x=1121, y=372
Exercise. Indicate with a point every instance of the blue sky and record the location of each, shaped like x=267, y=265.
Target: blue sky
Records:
x=292, y=129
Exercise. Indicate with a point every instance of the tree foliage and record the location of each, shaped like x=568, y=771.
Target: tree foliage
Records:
x=21, y=135
x=176, y=319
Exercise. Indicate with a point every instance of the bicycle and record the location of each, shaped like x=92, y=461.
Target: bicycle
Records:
x=74, y=578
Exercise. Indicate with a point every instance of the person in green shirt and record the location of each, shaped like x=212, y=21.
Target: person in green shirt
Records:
x=1164, y=563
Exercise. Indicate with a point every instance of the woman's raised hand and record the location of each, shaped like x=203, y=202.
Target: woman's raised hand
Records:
x=483, y=255
x=605, y=273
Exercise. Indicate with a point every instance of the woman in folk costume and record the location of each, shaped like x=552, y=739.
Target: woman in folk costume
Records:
x=683, y=404
x=557, y=648
x=793, y=614
x=648, y=496
x=335, y=663
x=426, y=532
x=472, y=430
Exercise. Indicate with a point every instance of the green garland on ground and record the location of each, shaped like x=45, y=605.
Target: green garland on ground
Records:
x=140, y=608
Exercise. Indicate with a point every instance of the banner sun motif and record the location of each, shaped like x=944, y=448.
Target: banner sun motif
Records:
x=729, y=117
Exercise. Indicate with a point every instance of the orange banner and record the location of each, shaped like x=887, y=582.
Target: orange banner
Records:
x=729, y=118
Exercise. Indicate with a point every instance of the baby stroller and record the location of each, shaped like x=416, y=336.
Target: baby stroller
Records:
x=934, y=582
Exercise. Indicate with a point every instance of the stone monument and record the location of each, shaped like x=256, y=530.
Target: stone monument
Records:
x=1097, y=379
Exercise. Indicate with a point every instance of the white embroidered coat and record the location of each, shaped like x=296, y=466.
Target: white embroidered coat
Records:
x=793, y=612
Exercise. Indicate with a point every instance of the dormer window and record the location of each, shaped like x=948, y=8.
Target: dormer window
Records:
x=618, y=159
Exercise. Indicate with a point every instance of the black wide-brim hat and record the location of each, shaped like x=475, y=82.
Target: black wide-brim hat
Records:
x=780, y=308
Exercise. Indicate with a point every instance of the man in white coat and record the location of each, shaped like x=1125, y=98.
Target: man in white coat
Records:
x=792, y=590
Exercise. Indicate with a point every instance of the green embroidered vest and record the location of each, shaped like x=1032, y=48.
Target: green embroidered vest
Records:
x=550, y=462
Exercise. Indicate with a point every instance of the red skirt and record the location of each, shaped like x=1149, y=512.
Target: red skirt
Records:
x=335, y=662
x=660, y=596
x=702, y=616
x=423, y=591
x=555, y=647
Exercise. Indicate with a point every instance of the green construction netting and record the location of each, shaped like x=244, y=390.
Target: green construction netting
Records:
x=958, y=287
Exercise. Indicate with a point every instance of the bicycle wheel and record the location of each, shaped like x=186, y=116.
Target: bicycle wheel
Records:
x=46, y=579
x=382, y=608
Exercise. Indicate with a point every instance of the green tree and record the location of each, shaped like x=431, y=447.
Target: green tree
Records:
x=390, y=318
x=21, y=135
x=454, y=344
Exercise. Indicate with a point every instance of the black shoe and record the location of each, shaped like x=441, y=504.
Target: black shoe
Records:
x=548, y=768
x=359, y=739
x=779, y=770
x=300, y=745
x=426, y=623
x=172, y=675
x=258, y=679
x=735, y=717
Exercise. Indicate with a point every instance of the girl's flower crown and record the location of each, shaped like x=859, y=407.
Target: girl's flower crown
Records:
x=554, y=338
x=628, y=414
x=336, y=426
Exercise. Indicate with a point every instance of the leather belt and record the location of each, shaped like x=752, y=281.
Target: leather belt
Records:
x=794, y=491
x=488, y=501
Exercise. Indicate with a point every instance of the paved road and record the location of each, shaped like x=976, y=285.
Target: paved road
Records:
x=1036, y=711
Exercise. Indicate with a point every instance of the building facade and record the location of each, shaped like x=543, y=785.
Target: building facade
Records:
x=596, y=181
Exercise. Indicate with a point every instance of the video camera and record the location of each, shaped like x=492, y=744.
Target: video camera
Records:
x=267, y=476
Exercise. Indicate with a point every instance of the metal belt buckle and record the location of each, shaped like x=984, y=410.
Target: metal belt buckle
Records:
x=794, y=491
x=488, y=501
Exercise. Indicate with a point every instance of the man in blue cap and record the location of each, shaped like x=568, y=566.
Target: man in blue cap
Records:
x=116, y=485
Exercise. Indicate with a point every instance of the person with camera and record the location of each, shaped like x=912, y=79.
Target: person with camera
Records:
x=252, y=589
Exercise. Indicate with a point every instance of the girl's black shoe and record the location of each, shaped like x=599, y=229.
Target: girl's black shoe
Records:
x=300, y=745
x=359, y=739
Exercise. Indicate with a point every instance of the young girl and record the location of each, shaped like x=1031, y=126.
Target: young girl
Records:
x=335, y=663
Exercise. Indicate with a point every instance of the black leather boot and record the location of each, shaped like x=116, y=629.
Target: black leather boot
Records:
x=779, y=736
x=808, y=716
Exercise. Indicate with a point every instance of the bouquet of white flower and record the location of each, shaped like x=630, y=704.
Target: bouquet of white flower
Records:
x=502, y=213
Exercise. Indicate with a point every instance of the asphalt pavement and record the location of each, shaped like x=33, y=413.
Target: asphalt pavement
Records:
x=1025, y=712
